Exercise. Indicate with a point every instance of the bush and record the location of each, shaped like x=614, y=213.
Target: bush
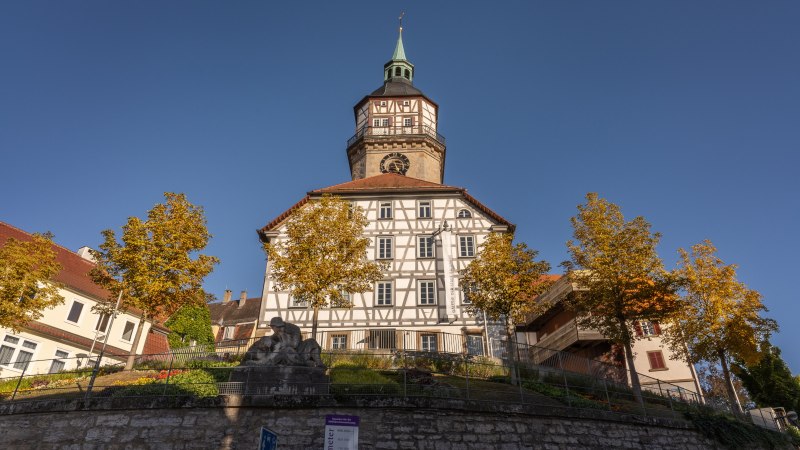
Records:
x=794, y=435
x=570, y=397
x=355, y=380
x=197, y=383
x=357, y=359
x=735, y=433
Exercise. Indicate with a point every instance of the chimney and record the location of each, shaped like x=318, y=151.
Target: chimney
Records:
x=227, y=297
x=86, y=253
x=242, y=298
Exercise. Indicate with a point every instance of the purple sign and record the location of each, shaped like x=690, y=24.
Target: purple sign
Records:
x=341, y=432
x=338, y=419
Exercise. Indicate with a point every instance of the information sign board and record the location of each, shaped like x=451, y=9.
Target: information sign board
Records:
x=341, y=432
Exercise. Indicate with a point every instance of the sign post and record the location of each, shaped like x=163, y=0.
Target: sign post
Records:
x=269, y=440
x=341, y=432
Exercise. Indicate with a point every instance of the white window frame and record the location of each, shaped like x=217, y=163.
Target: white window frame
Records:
x=100, y=318
x=384, y=289
x=57, y=359
x=297, y=302
x=385, y=210
x=426, y=247
x=408, y=121
x=80, y=313
x=464, y=213
x=17, y=348
x=466, y=246
x=426, y=346
x=648, y=329
x=426, y=292
x=133, y=332
x=339, y=342
x=384, y=247
x=424, y=209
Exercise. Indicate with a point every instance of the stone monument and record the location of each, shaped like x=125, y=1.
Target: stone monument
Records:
x=282, y=364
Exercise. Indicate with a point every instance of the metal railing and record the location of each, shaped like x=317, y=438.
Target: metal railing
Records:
x=397, y=130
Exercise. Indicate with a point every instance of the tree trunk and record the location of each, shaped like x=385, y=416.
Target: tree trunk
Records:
x=135, y=346
x=314, y=324
x=510, y=351
x=736, y=407
x=635, y=385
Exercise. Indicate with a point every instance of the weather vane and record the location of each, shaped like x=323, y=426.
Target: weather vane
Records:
x=403, y=13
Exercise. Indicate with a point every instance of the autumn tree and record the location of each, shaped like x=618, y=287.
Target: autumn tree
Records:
x=324, y=256
x=621, y=276
x=27, y=270
x=769, y=382
x=157, y=266
x=503, y=281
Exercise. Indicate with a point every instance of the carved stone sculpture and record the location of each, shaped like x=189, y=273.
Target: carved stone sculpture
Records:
x=284, y=347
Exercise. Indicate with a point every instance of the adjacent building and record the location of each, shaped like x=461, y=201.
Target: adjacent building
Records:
x=69, y=335
x=235, y=323
x=555, y=333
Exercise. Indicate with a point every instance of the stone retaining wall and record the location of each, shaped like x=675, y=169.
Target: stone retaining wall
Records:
x=226, y=425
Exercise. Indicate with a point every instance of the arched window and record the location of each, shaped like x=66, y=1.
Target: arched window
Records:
x=408, y=74
x=389, y=74
x=397, y=71
x=464, y=214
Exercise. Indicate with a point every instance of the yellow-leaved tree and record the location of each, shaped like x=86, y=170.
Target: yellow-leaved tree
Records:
x=324, y=256
x=621, y=276
x=720, y=318
x=157, y=266
x=503, y=281
x=27, y=269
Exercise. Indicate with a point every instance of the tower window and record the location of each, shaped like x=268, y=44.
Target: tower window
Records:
x=389, y=73
x=397, y=71
x=408, y=74
x=385, y=210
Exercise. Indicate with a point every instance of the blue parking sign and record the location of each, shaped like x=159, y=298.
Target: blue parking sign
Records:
x=269, y=440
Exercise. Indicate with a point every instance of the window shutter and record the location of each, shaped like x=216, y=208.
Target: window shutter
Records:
x=638, y=327
x=656, y=328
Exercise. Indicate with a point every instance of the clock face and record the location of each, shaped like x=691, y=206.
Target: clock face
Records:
x=395, y=163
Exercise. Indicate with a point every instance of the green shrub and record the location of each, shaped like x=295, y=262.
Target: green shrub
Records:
x=358, y=359
x=735, y=433
x=355, y=380
x=570, y=397
x=794, y=435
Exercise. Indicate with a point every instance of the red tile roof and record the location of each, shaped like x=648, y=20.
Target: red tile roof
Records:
x=155, y=343
x=382, y=184
x=74, y=274
x=74, y=269
x=71, y=338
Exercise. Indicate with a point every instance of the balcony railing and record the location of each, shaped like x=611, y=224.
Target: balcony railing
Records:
x=413, y=130
x=562, y=338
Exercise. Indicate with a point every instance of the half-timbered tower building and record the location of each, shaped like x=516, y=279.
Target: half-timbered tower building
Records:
x=425, y=230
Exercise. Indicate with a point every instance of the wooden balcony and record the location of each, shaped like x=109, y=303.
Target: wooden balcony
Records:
x=562, y=338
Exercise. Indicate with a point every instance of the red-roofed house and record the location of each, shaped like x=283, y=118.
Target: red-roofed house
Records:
x=425, y=230
x=68, y=334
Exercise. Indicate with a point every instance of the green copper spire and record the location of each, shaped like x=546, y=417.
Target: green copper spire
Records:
x=399, y=52
x=398, y=68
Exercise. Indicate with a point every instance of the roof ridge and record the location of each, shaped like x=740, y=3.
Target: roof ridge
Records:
x=52, y=241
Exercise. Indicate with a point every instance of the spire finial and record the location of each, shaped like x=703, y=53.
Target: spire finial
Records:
x=402, y=13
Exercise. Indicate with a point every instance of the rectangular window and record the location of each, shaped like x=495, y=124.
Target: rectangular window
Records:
x=379, y=339
x=24, y=352
x=424, y=210
x=6, y=353
x=465, y=300
x=75, y=312
x=475, y=344
x=102, y=322
x=297, y=302
x=427, y=292
x=408, y=122
x=127, y=333
x=339, y=342
x=648, y=328
x=425, y=245
x=429, y=343
x=58, y=365
x=385, y=212
x=466, y=246
x=384, y=297
x=385, y=247
x=656, y=360
x=228, y=333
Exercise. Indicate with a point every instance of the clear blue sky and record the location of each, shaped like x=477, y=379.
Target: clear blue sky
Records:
x=684, y=112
